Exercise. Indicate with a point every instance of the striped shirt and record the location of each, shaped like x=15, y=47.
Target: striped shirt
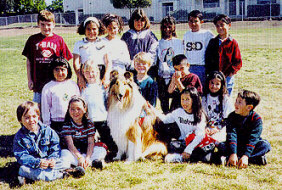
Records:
x=79, y=133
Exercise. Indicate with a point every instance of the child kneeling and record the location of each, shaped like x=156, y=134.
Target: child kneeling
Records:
x=36, y=147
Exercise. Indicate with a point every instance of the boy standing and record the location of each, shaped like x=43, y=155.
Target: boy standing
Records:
x=181, y=79
x=147, y=86
x=40, y=50
x=244, y=127
x=223, y=53
x=36, y=147
x=196, y=41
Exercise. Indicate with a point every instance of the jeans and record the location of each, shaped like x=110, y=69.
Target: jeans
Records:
x=48, y=174
x=261, y=148
x=37, y=97
x=199, y=70
x=230, y=81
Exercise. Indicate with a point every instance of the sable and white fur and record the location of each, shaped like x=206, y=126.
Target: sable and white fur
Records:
x=125, y=105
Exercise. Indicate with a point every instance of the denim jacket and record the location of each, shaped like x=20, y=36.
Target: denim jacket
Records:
x=29, y=148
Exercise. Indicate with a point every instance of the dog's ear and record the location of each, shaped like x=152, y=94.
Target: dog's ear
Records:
x=128, y=75
x=114, y=75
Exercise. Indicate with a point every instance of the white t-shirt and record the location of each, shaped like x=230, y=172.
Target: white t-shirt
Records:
x=94, y=95
x=195, y=45
x=184, y=121
x=118, y=53
x=86, y=49
x=215, y=117
x=166, y=50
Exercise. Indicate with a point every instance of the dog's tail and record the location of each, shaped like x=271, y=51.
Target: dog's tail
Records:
x=158, y=148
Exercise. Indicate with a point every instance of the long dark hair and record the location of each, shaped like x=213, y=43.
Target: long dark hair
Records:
x=169, y=20
x=68, y=118
x=82, y=27
x=223, y=89
x=197, y=109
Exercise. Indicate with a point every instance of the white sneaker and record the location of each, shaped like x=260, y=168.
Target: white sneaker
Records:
x=173, y=158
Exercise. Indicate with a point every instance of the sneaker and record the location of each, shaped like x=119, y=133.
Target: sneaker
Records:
x=223, y=160
x=98, y=164
x=21, y=180
x=173, y=158
x=259, y=160
x=76, y=172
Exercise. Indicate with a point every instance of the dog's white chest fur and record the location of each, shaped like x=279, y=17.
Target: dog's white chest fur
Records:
x=120, y=120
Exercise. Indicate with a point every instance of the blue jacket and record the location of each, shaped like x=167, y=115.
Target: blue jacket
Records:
x=243, y=133
x=30, y=148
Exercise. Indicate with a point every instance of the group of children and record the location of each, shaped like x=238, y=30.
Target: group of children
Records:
x=196, y=122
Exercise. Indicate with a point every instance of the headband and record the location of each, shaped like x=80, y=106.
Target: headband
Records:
x=93, y=19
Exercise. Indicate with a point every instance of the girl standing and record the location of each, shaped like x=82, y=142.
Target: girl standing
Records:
x=169, y=46
x=91, y=46
x=217, y=105
x=95, y=97
x=139, y=38
x=117, y=49
x=79, y=133
x=57, y=93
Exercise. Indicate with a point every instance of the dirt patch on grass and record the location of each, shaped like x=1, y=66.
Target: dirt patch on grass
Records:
x=183, y=26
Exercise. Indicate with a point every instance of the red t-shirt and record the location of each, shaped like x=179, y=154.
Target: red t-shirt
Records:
x=41, y=50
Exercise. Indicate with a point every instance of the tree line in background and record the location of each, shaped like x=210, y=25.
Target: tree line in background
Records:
x=15, y=7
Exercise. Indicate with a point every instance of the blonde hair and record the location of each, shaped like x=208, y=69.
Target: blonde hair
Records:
x=144, y=57
x=88, y=65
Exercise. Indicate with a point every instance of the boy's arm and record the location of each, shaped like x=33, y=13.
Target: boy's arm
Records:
x=231, y=136
x=22, y=154
x=153, y=93
x=236, y=59
x=255, y=134
x=28, y=70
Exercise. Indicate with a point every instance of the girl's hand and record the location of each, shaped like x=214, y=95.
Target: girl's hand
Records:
x=81, y=162
x=87, y=162
x=213, y=131
x=44, y=164
x=208, y=131
x=106, y=83
x=185, y=156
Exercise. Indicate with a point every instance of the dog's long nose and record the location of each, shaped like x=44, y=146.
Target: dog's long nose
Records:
x=120, y=96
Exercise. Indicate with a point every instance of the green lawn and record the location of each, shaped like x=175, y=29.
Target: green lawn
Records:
x=261, y=72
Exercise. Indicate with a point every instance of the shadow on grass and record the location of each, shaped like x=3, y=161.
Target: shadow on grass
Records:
x=9, y=172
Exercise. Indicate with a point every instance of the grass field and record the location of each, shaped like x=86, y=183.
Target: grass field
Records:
x=260, y=45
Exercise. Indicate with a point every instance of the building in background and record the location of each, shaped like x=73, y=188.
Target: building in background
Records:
x=180, y=8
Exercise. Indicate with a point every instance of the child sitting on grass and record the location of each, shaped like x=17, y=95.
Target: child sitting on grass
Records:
x=181, y=79
x=244, y=144
x=147, y=86
x=37, y=148
x=79, y=133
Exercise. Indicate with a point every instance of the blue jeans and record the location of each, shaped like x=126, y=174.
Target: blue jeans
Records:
x=199, y=70
x=230, y=81
x=48, y=174
x=261, y=148
x=37, y=97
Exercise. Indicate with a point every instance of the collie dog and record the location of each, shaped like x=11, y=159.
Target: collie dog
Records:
x=130, y=123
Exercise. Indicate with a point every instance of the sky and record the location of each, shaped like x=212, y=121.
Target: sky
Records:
x=48, y=2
